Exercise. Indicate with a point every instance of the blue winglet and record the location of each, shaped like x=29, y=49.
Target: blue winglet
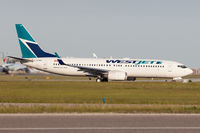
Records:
x=56, y=54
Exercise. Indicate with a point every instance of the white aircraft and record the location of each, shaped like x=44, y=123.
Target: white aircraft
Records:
x=103, y=69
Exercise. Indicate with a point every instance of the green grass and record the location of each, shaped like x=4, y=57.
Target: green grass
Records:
x=92, y=92
x=192, y=76
x=120, y=96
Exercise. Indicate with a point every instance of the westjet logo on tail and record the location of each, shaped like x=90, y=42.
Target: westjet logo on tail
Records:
x=133, y=61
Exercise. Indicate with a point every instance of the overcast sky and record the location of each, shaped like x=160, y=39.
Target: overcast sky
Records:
x=155, y=29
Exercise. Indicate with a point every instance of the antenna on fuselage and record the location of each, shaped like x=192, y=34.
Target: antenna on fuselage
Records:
x=94, y=55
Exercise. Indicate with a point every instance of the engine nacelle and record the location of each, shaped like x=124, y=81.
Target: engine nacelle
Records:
x=117, y=75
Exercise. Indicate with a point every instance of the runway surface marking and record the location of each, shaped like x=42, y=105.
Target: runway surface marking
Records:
x=105, y=128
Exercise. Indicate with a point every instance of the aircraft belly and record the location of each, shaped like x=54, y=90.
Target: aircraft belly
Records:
x=141, y=73
x=68, y=71
x=149, y=73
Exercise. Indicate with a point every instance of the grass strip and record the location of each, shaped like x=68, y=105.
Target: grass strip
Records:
x=99, y=108
x=92, y=92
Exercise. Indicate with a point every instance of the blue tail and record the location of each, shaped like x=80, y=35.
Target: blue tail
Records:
x=29, y=47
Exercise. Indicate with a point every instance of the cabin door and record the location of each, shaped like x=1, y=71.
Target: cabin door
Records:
x=170, y=68
x=45, y=66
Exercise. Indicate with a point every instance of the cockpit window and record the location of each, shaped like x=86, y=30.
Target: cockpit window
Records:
x=182, y=66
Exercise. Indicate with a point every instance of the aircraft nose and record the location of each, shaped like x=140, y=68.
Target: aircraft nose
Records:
x=189, y=71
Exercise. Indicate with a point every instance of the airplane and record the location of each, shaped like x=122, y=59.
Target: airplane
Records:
x=14, y=67
x=103, y=69
x=10, y=67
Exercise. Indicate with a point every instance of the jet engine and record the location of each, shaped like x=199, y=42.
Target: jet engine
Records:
x=117, y=75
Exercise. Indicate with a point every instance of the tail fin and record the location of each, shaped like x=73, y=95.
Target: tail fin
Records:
x=29, y=47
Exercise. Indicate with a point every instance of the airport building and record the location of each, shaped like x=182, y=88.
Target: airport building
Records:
x=196, y=71
x=1, y=61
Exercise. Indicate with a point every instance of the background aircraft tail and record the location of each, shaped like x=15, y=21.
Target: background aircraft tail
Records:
x=29, y=47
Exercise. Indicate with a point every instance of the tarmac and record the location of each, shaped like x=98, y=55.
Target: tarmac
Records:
x=87, y=80
x=99, y=123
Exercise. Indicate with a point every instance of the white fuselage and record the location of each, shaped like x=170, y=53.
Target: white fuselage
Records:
x=133, y=67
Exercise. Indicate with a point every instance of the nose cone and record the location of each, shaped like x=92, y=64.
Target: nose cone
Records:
x=189, y=71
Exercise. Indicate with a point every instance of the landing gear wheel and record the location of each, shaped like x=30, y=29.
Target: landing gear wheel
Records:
x=98, y=80
x=105, y=80
x=134, y=78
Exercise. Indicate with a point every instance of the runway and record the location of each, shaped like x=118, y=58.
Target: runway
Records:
x=140, y=80
x=99, y=123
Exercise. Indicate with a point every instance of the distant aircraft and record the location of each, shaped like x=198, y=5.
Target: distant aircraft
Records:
x=12, y=67
x=103, y=69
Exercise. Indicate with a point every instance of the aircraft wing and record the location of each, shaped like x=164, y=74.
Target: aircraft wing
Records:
x=93, y=71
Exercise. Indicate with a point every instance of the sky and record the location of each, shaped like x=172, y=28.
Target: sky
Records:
x=145, y=29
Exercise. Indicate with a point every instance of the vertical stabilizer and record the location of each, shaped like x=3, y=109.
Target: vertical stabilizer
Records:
x=29, y=47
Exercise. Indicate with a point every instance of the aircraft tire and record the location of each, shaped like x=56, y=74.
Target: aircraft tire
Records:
x=104, y=80
x=98, y=80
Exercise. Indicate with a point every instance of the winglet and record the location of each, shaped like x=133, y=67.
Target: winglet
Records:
x=56, y=54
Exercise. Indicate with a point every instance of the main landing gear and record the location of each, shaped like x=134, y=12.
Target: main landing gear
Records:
x=102, y=79
x=98, y=80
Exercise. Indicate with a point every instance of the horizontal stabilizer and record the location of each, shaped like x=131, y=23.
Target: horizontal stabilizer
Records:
x=20, y=59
